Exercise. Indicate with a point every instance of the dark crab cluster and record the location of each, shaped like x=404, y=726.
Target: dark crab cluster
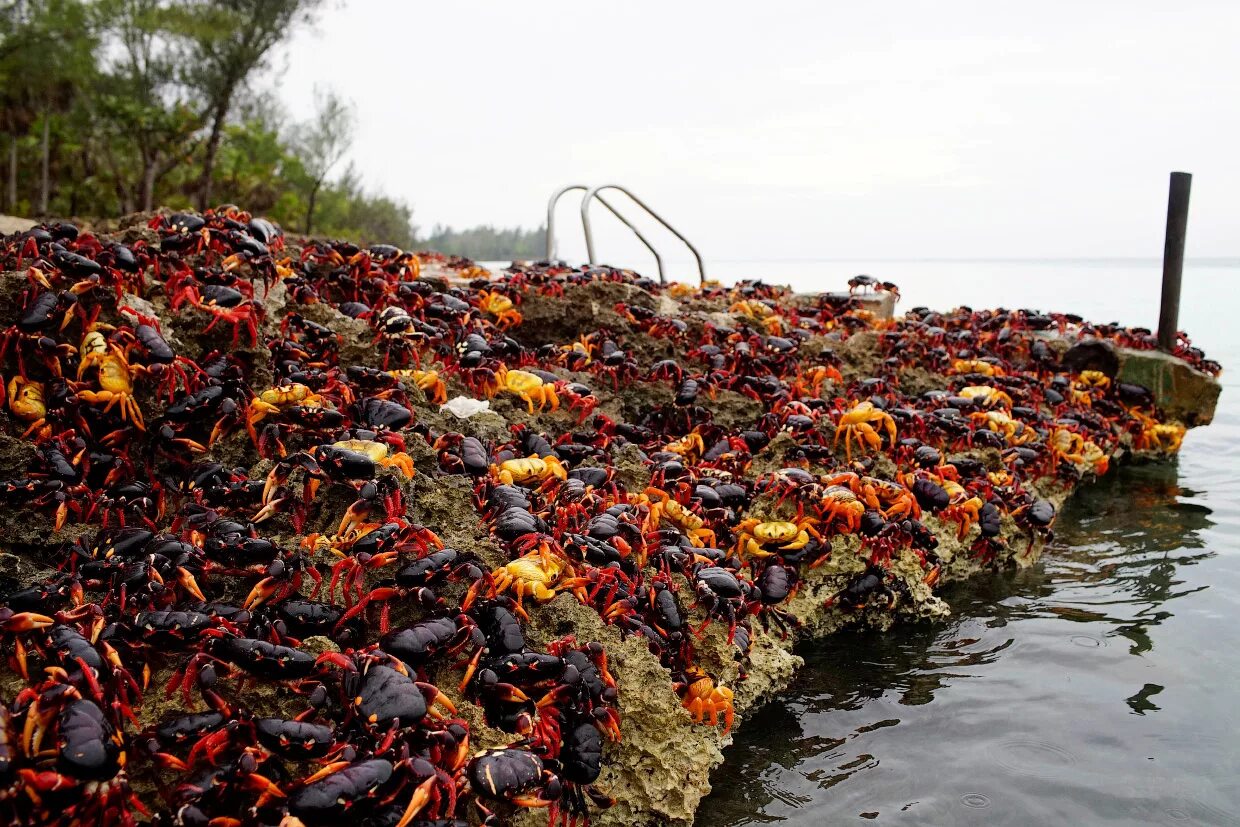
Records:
x=224, y=439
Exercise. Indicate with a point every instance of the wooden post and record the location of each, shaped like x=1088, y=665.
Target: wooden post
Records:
x=1173, y=260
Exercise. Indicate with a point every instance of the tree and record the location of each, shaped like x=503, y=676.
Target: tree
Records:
x=229, y=40
x=151, y=126
x=487, y=243
x=48, y=54
x=116, y=105
x=322, y=142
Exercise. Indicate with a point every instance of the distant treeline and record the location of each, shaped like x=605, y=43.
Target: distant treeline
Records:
x=114, y=106
x=487, y=243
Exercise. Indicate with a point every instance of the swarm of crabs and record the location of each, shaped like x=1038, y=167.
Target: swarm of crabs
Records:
x=221, y=441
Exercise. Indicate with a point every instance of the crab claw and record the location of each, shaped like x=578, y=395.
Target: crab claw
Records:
x=190, y=584
x=435, y=698
x=25, y=622
x=274, y=480
x=166, y=761
x=421, y=797
x=336, y=659
x=261, y=593
x=470, y=669
x=269, y=510
x=510, y=693
x=191, y=445
x=35, y=275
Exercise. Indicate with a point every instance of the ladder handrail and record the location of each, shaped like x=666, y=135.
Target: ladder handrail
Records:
x=555, y=197
x=593, y=193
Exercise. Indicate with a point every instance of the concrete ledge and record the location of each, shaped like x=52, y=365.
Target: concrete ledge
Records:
x=882, y=305
x=1179, y=389
x=1182, y=391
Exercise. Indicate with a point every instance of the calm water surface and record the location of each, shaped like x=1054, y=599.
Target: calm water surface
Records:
x=1101, y=686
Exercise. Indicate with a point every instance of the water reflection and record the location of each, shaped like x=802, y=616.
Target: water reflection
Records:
x=1071, y=690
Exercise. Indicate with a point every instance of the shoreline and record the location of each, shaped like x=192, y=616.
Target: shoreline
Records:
x=748, y=428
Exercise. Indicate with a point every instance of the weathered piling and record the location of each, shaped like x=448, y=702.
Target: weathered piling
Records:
x=1173, y=259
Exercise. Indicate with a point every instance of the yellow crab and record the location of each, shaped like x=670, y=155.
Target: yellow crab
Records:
x=581, y=350
x=859, y=425
x=501, y=307
x=427, y=381
x=114, y=375
x=1165, y=437
x=274, y=400
x=753, y=534
x=1087, y=385
x=26, y=401
x=752, y=308
x=761, y=312
x=535, y=575
x=380, y=454
x=977, y=366
x=528, y=387
x=1012, y=430
x=1091, y=379
x=1095, y=457
x=988, y=397
x=690, y=446
x=532, y=468
x=1069, y=445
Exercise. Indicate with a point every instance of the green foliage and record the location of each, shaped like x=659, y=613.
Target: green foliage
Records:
x=487, y=243
x=142, y=99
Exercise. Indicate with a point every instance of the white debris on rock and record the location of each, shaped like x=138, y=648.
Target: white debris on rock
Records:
x=462, y=407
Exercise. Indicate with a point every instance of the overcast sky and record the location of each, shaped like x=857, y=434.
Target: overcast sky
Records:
x=801, y=130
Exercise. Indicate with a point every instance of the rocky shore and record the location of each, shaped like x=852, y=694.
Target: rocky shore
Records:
x=835, y=464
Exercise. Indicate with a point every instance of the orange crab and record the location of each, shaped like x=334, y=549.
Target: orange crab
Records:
x=963, y=508
x=860, y=425
x=809, y=381
x=501, y=307
x=705, y=700
x=841, y=509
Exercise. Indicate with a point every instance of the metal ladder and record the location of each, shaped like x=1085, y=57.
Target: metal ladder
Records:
x=592, y=194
